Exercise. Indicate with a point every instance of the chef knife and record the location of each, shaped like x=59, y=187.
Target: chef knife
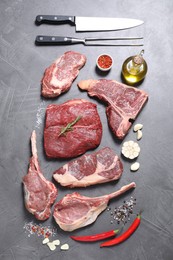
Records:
x=90, y=23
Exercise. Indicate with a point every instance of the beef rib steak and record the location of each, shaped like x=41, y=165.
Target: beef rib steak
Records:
x=40, y=193
x=75, y=211
x=98, y=167
x=58, y=77
x=124, y=102
x=84, y=135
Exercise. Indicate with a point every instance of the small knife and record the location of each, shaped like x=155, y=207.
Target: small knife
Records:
x=60, y=40
x=89, y=23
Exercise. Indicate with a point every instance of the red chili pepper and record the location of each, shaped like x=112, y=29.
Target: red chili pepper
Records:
x=96, y=237
x=125, y=235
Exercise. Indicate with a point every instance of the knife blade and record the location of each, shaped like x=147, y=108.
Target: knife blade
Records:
x=89, y=23
x=64, y=40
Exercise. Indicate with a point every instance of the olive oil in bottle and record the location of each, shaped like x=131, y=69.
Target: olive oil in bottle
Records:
x=134, y=68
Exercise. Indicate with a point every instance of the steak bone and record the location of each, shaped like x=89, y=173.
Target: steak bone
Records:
x=74, y=211
x=39, y=193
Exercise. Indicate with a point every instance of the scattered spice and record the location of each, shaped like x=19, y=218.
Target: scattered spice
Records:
x=125, y=235
x=46, y=232
x=68, y=127
x=123, y=212
x=39, y=230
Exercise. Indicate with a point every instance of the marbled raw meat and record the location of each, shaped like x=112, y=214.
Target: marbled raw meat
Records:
x=39, y=193
x=124, y=103
x=85, y=135
x=59, y=76
x=74, y=211
x=94, y=168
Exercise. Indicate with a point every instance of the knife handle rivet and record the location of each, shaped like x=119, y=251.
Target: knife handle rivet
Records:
x=41, y=38
x=53, y=38
x=41, y=17
x=65, y=39
x=69, y=18
x=55, y=18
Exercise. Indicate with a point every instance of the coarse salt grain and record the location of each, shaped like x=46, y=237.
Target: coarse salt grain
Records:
x=39, y=230
x=123, y=212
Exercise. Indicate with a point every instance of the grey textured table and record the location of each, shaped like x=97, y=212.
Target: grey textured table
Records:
x=22, y=109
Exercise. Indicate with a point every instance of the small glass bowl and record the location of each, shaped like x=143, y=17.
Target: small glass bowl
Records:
x=104, y=62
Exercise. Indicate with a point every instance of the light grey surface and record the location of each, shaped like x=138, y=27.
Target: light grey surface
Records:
x=22, y=109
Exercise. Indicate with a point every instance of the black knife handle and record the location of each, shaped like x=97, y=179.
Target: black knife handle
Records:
x=54, y=19
x=53, y=40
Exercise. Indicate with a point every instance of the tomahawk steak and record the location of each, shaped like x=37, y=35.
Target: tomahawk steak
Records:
x=97, y=167
x=75, y=211
x=84, y=135
x=58, y=77
x=124, y=102
x=40, y=193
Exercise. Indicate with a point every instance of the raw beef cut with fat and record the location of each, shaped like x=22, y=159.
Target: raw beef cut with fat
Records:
x=84, y=135
x=75, y=211
x=59, y=76
x=98, y=167
x=40, y=193
x=124, y=102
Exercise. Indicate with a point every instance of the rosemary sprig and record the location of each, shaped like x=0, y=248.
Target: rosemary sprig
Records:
x=69, y=127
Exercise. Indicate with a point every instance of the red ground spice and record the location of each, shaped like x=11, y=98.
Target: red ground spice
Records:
x=39, y=230
x=105, y=61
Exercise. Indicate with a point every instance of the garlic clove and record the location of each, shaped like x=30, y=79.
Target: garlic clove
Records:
x=45, y=241
x=139, y=134
x=51, y=246
x=135, y=166
x=137, y=127
x=56, y=242
x=65, y=247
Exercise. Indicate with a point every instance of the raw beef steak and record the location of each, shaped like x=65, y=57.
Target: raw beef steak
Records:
x=75, y=211
x=98, y=167
x=58, y=77
x=84, y=135
x=124, y=102
x=40, y=193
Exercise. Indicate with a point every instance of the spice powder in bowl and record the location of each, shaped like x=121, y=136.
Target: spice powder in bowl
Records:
x=104, y=62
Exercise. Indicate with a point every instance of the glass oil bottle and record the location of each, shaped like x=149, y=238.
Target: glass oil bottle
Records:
x=134, y=68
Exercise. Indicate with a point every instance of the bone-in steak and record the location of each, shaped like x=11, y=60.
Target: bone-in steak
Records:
x=124, y=102
x=97, y=167
x=75, y=211
x=40, y=193
x=58, y=77
x=84, y=135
